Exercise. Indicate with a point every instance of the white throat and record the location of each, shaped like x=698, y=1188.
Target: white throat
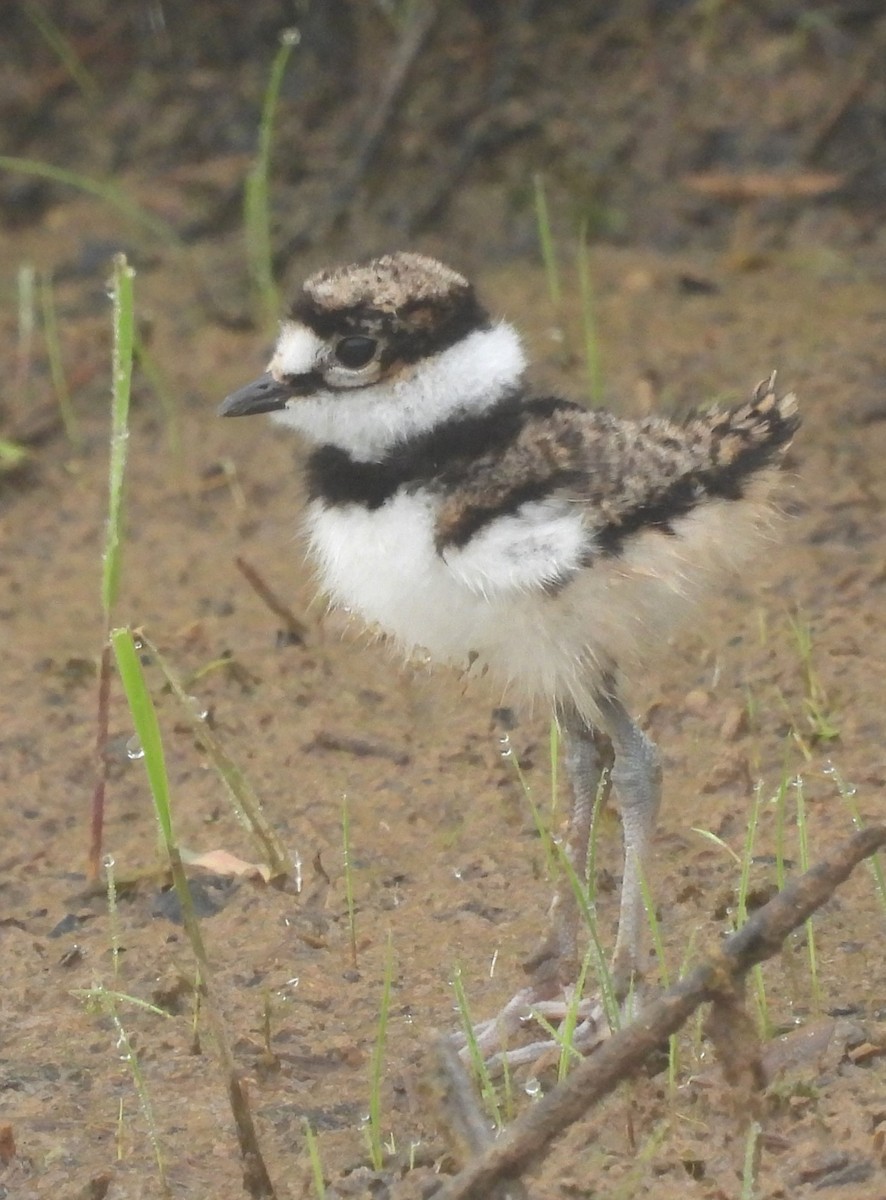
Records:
x=366, y=422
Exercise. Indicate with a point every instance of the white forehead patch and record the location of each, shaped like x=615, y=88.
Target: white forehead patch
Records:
x=297, y=351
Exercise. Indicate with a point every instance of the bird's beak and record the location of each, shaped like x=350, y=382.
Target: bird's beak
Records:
x=265, y=394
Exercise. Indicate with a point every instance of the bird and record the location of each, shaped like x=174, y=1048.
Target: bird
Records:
x=552, y=547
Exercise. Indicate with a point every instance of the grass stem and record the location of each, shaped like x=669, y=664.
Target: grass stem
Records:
x=110, y=193
x=546, y=243
x=257, y=1181
x=122, y=299
x=63, y=48
x=349, y=878
x=256, y=200
x=376, y=1069
x=590, y=333
x=56, y=365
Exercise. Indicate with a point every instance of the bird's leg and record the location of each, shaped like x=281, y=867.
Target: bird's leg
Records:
x=553, y=968
x=636, y=777
x=634, y=769
x=554, y=964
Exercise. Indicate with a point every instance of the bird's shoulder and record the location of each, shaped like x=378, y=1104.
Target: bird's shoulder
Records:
x=567, y=456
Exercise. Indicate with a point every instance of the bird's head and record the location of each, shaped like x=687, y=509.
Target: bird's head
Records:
x=377, y=352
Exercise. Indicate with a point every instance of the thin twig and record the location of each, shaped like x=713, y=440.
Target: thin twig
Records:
x=822, y=132
x=448, y=1089
x=97, y=808
x=529, y=1138
x=381, y=115
x=296, y=629
x=479, y=134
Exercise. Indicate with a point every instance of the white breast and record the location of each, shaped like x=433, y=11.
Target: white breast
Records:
x=484, y=608
x=382, y=566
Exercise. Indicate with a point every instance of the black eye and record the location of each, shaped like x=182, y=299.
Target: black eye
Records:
x=356, y=351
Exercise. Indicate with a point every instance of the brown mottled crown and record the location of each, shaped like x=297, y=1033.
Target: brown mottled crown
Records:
x=415, y=304
x=386, y=283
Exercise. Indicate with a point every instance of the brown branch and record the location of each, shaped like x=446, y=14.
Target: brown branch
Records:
x=736, y=187
x=448, y=1089
x=822, y=132
x=528, y=1139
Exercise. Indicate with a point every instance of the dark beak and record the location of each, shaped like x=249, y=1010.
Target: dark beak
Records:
x=264, y=394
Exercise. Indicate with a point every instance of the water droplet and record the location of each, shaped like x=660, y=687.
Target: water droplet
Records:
x=507, y=749
x=134, y=748
x=201, y=712
x=532, y=1087
x=290, y=37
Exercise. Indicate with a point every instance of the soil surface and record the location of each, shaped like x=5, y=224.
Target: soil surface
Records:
x=727, y=164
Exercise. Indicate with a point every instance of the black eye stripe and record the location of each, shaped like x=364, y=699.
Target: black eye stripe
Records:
x=355, y=351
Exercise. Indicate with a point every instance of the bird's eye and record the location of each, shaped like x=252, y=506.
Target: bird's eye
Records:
x=356, y=351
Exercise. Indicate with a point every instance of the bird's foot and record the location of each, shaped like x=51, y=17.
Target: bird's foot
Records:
x=510, y=1039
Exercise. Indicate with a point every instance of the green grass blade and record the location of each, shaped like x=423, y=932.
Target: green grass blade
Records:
x=128, y=1054
x=554, y=751
x=847, y=795
x=147, y=727
x=546, y=242
x=244, y=800
x=256, y=200
x=27, y=324
x=488, y=1093
x=593, y=363
x=566, y=1033
x=109, y=192
x=780, y=812
x=124, y=323
x=63, y=48
x=12, y=455
x=348, y=859
x=56, y=366
x=317, y=1173
x=803, y=837
x=376, y=1069
x=144, y=718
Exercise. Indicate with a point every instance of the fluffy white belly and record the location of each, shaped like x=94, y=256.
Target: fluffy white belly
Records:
x=553, y=645
x=383, y=567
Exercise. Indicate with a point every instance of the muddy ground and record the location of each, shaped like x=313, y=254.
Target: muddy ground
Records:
x=775, y=258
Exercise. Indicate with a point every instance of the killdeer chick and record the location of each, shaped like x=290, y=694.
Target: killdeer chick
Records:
x=523, y=536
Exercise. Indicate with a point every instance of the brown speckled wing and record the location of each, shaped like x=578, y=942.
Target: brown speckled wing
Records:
x=629, y=476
